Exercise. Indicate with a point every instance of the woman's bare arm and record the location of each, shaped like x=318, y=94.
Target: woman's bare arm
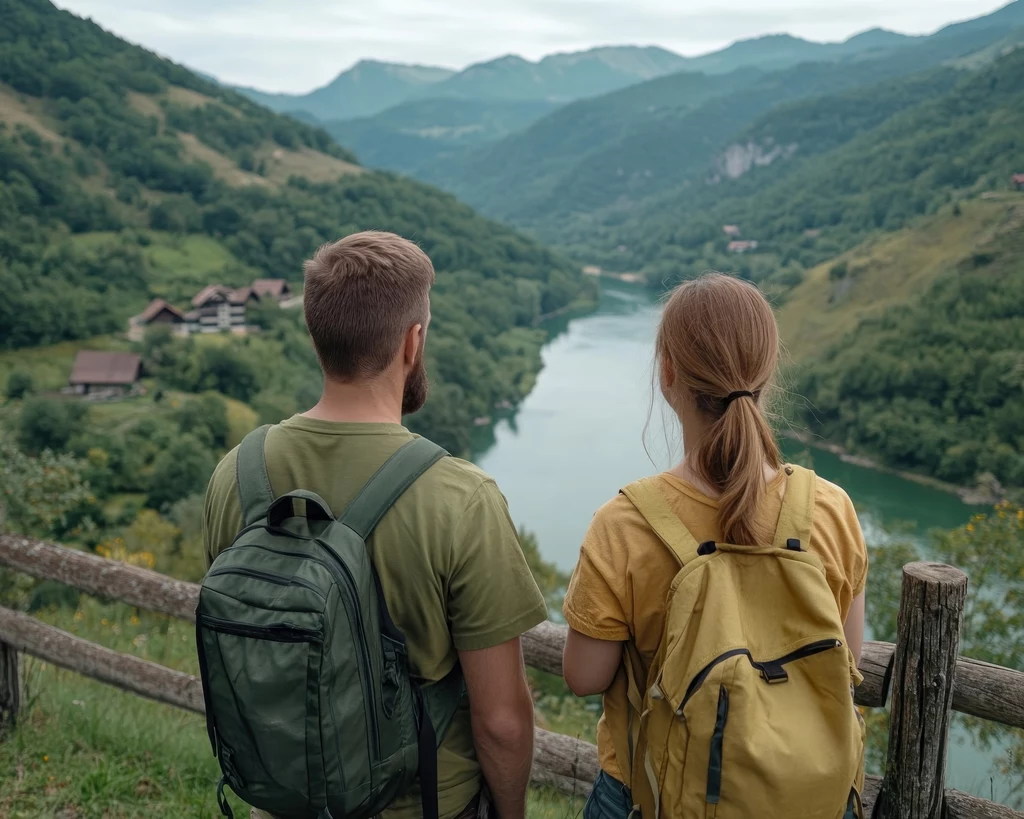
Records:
x=589, y=665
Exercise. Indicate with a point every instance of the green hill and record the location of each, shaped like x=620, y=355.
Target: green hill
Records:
x=933, y=143
x=367, y=88
x=602, y=160
x=915, y=353
x=124, y=177
x=414, y=135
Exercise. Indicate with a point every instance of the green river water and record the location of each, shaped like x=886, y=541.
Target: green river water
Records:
x=580, y=435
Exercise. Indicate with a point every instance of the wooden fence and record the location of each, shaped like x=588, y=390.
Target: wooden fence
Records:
x=923, y=672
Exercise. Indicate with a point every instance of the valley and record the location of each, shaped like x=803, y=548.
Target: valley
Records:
x=872, y=187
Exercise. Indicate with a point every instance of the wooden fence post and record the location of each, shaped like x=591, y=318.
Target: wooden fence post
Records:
x=10, y=694
x=927, y=645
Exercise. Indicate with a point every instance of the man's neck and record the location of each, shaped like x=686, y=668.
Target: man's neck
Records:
x=357, y=403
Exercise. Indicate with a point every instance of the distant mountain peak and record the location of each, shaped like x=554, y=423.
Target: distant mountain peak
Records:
x=878, y=36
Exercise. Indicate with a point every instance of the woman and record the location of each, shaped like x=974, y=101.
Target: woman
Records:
x=717, y=354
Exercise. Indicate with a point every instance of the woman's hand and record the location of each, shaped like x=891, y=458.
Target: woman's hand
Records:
x=589, y=665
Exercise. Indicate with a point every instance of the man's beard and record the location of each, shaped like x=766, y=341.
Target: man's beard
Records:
x=417, y=386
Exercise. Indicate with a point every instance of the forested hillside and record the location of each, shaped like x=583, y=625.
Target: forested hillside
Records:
x=589, y=166
x=934, y=145
x=932, y=376
x=411, y=137
x=124, y=177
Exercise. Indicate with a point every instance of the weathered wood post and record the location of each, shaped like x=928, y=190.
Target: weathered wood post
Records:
x=927, y=645
x=10, y=694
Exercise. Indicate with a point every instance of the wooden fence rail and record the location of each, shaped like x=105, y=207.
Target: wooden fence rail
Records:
x=929, y=678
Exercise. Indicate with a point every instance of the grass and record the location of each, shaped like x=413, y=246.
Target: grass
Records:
x=179, y=266
x=50, y=366
x=883, y=271
x=18, y=110
x=84, y=750
x=281, y=165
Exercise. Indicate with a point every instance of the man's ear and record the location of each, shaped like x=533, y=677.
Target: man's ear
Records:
x=415, y=338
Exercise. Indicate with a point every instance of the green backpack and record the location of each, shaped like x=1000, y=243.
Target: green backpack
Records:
x=310, y=707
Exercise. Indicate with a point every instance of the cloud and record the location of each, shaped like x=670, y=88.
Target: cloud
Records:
x=295, y=45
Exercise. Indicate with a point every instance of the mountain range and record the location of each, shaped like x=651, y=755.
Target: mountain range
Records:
x=371, y=87
x=662, y=137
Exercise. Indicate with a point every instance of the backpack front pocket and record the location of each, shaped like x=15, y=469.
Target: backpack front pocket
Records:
x=259, y=676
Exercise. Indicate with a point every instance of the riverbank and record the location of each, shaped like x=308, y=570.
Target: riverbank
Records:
x=973, y=496
x=628, y=278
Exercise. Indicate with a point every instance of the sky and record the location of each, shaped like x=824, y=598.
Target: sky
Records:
x=297, y=45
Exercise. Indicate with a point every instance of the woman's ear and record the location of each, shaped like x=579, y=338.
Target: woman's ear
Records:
x=668, y=375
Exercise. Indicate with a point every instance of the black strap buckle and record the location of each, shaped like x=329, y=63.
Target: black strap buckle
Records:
x=773, y=674
x=708, y=547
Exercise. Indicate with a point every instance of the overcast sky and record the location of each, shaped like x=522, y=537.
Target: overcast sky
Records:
x=297, y=45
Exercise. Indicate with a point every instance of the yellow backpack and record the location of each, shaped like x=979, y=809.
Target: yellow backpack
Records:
x=748, y=709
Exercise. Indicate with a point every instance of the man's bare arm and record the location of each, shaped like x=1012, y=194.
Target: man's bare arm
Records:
x=501, y=710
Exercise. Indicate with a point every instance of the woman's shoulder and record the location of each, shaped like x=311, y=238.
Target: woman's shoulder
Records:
x=616, y=518
x=837, y=538
x=831, y=499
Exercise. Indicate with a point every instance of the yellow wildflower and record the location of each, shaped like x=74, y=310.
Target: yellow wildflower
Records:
x=970, y=527
x=134, y=620
x=46, y=758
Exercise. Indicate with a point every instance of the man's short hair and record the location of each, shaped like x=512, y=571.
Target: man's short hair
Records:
x=362, y=295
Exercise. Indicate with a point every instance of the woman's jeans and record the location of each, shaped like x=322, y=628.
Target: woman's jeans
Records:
x=610, y=799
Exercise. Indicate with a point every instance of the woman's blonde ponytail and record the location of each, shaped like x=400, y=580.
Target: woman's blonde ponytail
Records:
x=719, y=337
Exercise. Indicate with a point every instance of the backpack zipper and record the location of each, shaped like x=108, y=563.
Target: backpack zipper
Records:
x=275, y=632
x=350, y=581
x=268, y=577
x=771, y=670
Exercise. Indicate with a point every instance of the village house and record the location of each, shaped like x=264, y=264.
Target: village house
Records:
x=220, y=309
x=742, y=246
x=1018, y=181
x=731, y=230
x=215, y=309
x=104, y=375
x=158, y=312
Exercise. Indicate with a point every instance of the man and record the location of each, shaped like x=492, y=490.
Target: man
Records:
x=452, y=571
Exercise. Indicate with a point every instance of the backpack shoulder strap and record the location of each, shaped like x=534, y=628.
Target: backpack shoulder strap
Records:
x=442, y=699
x=254, y=490
x=797, y=513
x=387, y=485
x=650, y=501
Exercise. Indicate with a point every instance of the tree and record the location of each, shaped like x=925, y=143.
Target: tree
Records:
x=39, y=495
x=47, y=423
x=206, y=417
x=19, y=384
x=183, y=469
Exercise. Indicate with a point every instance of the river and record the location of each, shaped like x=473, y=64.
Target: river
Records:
x=580, y=435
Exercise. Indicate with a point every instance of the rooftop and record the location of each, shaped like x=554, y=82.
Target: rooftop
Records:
x=92, y=367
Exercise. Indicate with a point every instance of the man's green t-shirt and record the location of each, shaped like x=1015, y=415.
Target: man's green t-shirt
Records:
x=453, y=572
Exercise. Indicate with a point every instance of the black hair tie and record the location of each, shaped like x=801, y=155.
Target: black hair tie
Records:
x=738, y=394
